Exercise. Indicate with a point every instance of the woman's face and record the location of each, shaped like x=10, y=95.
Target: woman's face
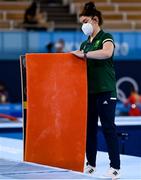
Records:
x=89, y=24
x=88, y=19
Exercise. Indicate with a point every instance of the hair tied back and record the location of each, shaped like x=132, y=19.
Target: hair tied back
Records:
x=90, y=6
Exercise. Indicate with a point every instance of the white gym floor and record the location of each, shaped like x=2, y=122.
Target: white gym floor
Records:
x=13, y=167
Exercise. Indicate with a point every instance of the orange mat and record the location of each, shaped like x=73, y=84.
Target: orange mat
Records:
x=56, y=110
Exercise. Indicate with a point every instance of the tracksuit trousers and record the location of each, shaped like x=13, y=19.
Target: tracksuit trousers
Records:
x=102, y=105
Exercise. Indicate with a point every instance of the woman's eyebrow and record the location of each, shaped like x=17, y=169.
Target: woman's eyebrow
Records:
x=85, y=20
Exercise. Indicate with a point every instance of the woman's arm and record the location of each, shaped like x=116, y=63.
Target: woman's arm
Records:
x=106, y=52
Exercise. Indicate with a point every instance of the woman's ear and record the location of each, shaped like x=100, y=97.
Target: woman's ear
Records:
x=95, y=18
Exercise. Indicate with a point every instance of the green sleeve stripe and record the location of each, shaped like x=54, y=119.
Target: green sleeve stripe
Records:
x=108, y=40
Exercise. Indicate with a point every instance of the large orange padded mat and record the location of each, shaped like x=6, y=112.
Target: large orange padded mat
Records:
x=56, y=110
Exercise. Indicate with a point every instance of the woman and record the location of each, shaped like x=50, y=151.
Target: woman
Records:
x=30, y=14
x=98, y=49
x=34, y=19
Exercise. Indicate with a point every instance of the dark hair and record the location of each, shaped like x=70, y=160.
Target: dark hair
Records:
x=90, y=10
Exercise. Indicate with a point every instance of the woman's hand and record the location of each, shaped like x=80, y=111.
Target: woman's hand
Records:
x=78, y=53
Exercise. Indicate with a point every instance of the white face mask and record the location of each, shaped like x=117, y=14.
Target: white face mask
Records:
x=58, y=45
x=87, y=29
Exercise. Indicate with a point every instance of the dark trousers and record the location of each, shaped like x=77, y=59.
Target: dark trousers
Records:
x=100, y=105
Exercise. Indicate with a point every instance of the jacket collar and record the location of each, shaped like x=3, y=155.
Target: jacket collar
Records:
x=96, y=37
